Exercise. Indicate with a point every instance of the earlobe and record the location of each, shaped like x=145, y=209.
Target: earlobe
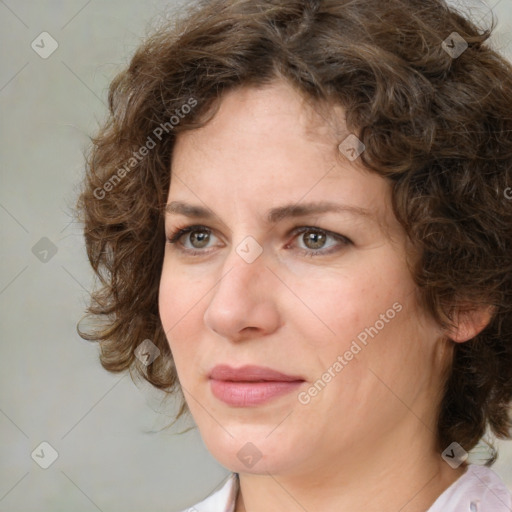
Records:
x=469, y=323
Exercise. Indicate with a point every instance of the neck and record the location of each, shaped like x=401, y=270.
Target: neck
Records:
x=405, y=473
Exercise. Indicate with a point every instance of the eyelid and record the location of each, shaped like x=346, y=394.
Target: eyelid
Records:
x=178, y=232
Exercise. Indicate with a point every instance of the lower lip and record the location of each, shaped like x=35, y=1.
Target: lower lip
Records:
x=246, y=394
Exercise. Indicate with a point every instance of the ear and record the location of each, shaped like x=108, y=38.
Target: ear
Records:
x=469, y=323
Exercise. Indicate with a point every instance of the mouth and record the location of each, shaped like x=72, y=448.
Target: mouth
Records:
x=250, y=385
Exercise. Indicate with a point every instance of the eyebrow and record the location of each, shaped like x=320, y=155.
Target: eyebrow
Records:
x=275, y=214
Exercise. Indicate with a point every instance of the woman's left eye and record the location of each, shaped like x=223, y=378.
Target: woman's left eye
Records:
x=313, y=238
x=316, y=237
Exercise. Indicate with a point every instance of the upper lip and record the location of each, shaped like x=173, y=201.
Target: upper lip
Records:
x=250, y=373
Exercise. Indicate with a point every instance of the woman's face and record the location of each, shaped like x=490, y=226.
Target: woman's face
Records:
x=324, y=298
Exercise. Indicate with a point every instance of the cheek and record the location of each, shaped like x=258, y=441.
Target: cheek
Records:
x=373, y=318
x=180, y=293
x=341, y=305
x=179, y=303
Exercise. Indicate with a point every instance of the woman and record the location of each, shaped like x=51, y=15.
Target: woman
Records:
x=298, y=211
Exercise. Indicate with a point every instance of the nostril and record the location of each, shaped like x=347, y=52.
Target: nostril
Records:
x=473, y=506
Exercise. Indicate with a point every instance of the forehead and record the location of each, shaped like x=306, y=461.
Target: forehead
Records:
x=272, y=130
x=270, y=147
x=259, y=118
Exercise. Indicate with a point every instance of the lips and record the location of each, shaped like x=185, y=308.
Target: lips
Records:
x=250, y=374
x=250, y=385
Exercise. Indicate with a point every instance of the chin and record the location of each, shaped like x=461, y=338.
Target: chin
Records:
x=252, y=450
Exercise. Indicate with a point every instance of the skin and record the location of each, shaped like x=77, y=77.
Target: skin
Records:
x=367, y=440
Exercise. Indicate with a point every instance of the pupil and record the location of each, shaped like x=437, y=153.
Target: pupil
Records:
x=201, y=237
x=317, y=240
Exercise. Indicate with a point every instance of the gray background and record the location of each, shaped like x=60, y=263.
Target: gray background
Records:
x=104, y=428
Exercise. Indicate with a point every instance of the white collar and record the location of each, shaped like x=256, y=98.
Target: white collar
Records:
x=479, y=489
x=223, y=500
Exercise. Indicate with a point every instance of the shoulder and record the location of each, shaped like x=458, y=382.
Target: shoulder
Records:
x=479, y=489
x=222, y=500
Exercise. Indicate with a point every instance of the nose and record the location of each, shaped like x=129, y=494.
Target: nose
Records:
x=243, y=304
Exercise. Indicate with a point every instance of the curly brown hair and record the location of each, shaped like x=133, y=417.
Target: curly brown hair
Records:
x=434, y=110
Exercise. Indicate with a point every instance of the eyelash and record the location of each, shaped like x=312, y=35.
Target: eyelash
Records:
x=180, y=231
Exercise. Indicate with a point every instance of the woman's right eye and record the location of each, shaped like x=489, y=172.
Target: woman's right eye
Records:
x=201, y=237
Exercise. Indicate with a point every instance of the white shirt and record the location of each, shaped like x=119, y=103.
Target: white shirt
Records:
x=479, y=489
